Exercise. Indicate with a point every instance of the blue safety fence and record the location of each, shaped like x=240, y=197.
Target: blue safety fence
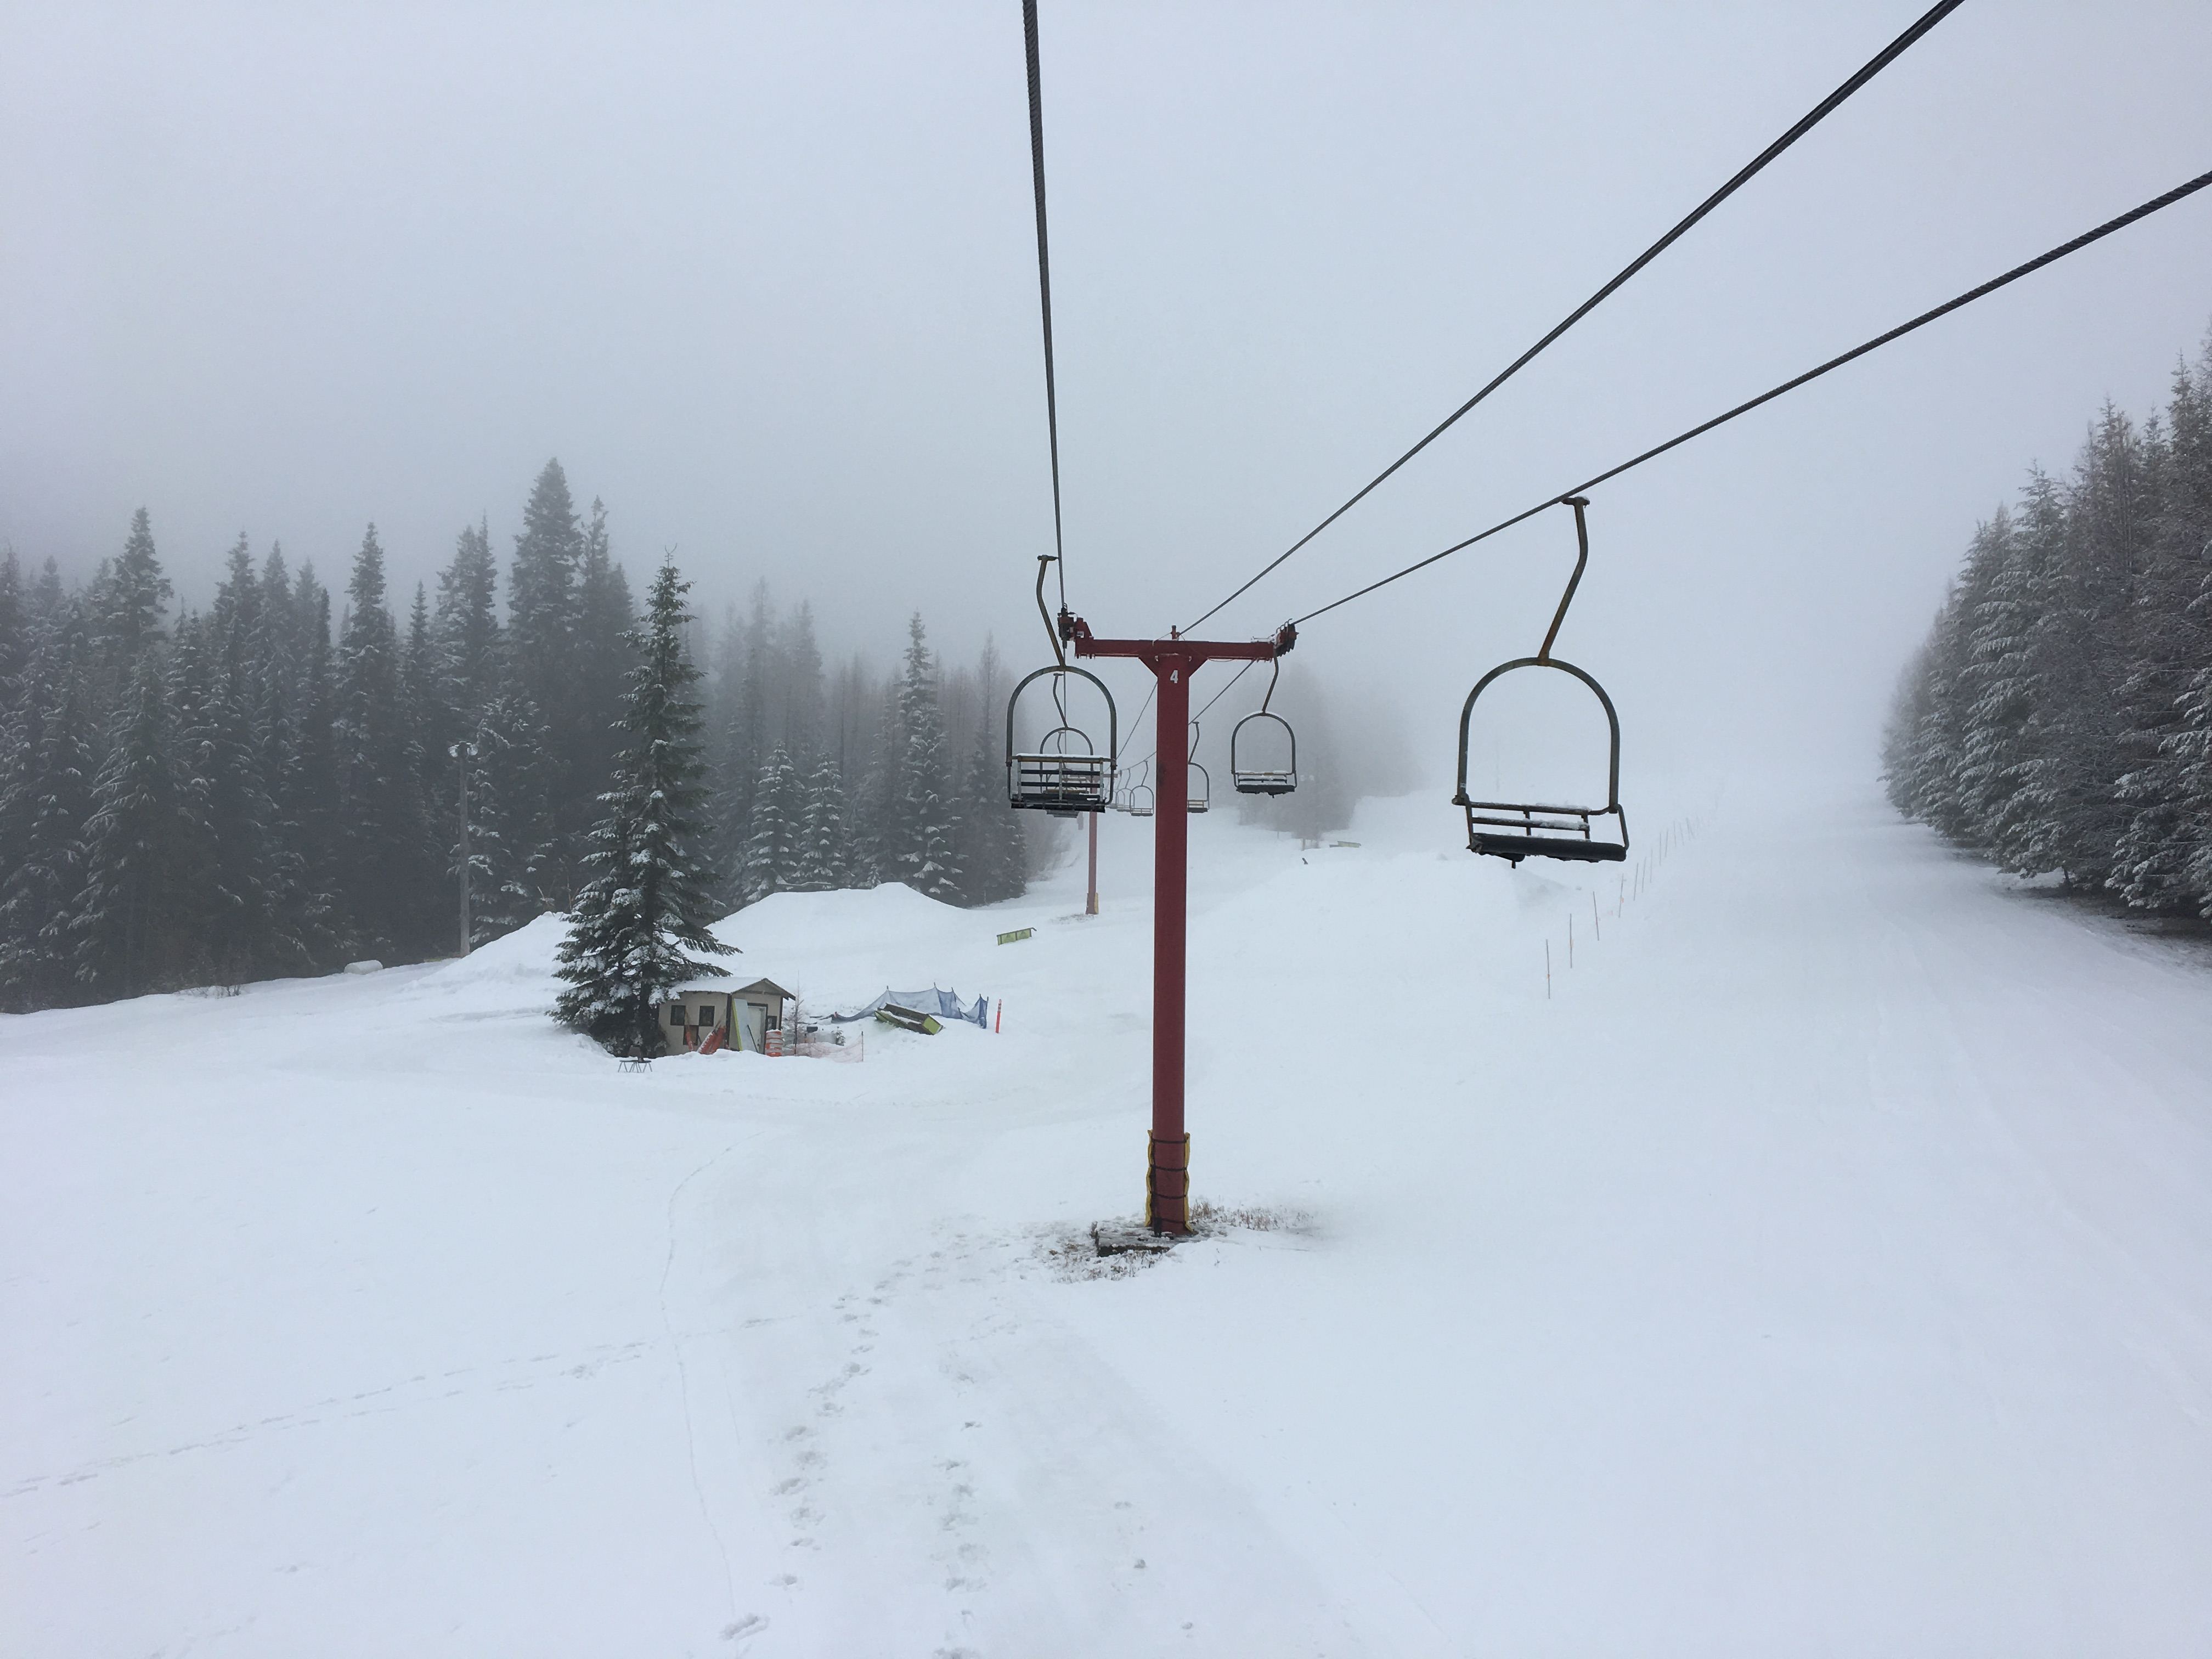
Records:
x=946, y=1005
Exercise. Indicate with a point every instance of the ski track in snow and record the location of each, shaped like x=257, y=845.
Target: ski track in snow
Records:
x=1823, y=1268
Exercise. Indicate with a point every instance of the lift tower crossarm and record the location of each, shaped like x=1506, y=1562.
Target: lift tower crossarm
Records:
x=1173, y=660
x=1077, y=632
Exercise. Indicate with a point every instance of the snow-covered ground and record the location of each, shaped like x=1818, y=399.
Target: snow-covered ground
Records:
x=1825, y=1268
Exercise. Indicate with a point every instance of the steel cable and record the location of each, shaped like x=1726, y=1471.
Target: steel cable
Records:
x=1044, y=282
x=1812, y=119
x=2079, y=242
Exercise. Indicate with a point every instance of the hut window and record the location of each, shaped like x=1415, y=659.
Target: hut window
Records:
x=675, y=1015
x=705, y=1016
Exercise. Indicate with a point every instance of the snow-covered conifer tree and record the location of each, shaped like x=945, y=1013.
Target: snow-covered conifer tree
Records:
x=131, y=917
x=509, y=834
x=541, y=591
x=46, y=768
x=825, y=840
x=601, y=661
x=918, y=838
x=772, y=855
x=391, y=873
x=991, y=847
x=124, y=608
x=467, y=627
x=319, y=911
x=648, y=902
x=228, y=862
x=14, y=625
x=2166, y=646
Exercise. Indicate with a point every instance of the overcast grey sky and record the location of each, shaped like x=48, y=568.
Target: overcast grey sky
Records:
x=763, y=278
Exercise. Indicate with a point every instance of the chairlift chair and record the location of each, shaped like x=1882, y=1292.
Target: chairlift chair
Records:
x=1067, y=773
x=1141, y=804
x=1201, y=780
x=1514, y=830
x=1249, y=777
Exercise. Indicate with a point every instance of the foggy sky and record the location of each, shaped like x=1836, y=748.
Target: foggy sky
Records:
x=763, y=279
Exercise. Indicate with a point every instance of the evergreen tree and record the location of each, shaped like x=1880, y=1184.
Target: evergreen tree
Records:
x=297, y=924
x=1940, y=741
x=803, y=703
x=744, y=739
x=391, y=879
x=131, y=926
x=602, y=660
x=825, y=839
x=430, y=722
x=542, y=632
x=128, y=599
x=541, y=591
x=15, y=624
x=48, y=598
x=1993, y=706
x=2189, y=526
x=238, y=867
x=994, y=854
x=510, y=836
x=2166, y=645
x=235, y=619
x=773, y=855
x=2078, y=767
x=45, y=799
x=876, y=803
x=648, y=902
x=468, y=632
x=280, y=637
x=2059, y=717
x=1901, y=733
x=919, y=836
x=993, y=850
x=318, y=912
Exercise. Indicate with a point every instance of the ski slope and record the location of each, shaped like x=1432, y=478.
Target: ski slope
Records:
x=1825, y=1268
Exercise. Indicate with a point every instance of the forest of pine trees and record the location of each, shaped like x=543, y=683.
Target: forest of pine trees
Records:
x=266, y=787
x=2059, y=717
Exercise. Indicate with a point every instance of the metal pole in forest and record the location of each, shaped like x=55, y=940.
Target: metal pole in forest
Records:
x=463, y=753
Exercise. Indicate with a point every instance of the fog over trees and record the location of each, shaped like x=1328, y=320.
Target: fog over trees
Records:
x=267, y=786
x=2059, y=717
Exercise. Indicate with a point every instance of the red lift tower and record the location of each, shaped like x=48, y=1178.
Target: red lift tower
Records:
x=1173, y=660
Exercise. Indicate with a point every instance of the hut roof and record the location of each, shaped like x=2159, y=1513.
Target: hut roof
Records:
x=733, y=985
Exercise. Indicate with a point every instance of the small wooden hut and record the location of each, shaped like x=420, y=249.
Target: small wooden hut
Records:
x=744, y=1014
